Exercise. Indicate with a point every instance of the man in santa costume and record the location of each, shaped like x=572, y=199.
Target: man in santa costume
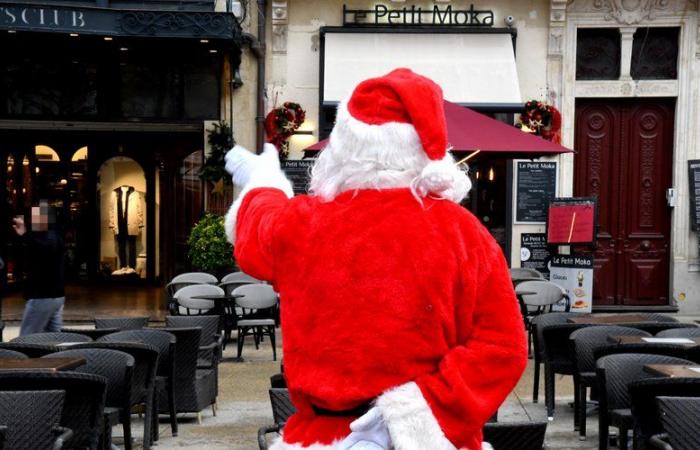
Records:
x=401, y=329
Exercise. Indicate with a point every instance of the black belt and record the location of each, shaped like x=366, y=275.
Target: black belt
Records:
x=354, y=412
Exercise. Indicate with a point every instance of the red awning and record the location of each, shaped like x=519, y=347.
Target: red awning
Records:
x=470, y=131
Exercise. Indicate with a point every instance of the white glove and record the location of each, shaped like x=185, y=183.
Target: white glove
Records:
x=241, y=163
x=369, y=432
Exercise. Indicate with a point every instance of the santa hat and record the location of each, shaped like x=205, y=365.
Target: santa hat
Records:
x=398, y=122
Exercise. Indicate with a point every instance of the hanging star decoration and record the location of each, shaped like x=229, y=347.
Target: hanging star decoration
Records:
x=542, y=120
x=218, y=187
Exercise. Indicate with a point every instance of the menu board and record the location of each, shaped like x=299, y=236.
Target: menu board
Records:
x=534, y=252
x=299, y=173
x=694, y=190
x=571, y=221
x=574, y=273
x=536, y=185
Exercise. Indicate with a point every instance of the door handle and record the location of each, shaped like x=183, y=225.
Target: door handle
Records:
x=645, y=245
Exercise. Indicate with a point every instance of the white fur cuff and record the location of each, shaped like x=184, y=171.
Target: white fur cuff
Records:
x=271, y=178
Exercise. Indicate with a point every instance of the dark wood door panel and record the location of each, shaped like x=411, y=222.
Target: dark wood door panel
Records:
x=605, y=278
x=643, y=283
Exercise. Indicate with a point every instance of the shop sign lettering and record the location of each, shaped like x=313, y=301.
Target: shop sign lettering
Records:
x=417, y=15
x=41, y=17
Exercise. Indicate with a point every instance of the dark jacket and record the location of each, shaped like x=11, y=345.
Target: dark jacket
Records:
x=44, y=265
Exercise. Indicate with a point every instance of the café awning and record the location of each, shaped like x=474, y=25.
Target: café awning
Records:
x=470, y=132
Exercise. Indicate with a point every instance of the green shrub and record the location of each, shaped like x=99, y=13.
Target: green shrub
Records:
x=209, y=250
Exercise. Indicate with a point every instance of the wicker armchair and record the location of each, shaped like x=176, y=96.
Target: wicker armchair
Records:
x=11, y=354
x=658, y=327
x=92, y=333
x=83, y=405
x=211, y=340
x=142, y=380
x=195, y=389
x=586, y=341
x=615, y=373
x=515, y=436
x=29, y=420
x=165, y=343
x=647, y=417
x=679, y=418
x=31, y=350
x=122, y=323
x=538, y=324
x=50, y=338
x=693, y=332
x=282, y=410
x=2, y=329
x=117, y=368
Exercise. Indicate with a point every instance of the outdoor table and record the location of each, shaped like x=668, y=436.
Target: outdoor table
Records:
x=685, y=342
x=40, y=364
x=609, y=319
x=673, y=370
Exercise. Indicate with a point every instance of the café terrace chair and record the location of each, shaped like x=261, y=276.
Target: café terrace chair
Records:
x=546, y=296
x=183, y=280
x=187, y=305
x=232, y=312
x=92, y=333
x=11, y=354
x=690, y=333
x=524, y=273
x=83, y=405
x=282, y=410
x=615, y=373
x=239, y=277
x=122, y=323
x=679, y=417
x=29, y=420
x=585, y=342
x=261, y=299
x=117, y=368
x=647, y=416
x=515, y=436
x=30, y=350
x=210, y=344
x=50, y=338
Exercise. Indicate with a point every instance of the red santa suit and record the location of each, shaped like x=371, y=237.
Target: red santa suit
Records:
x=386, y=298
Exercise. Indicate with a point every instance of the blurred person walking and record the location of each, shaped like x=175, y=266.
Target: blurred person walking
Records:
x=43, y=252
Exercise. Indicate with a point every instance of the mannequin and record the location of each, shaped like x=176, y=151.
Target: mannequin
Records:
x=126, y=219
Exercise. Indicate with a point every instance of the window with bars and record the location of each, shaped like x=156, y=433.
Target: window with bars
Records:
x=655, y=53
x=598, y=54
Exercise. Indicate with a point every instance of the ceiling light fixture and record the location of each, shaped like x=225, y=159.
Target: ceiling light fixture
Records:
x=108, y=38
x=74, y=35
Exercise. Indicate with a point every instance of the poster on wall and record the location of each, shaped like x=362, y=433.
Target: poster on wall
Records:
x=574, y=273
x=299, y=173
x=694, y=190
x=535, y=186
x=534, y=253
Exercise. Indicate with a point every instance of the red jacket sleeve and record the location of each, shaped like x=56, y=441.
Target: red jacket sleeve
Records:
x=474, y=377
x=257, y=223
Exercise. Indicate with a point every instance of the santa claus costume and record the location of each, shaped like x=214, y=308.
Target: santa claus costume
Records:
x=396, y=303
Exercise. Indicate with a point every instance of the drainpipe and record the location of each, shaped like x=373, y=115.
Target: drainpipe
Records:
x=258, y=49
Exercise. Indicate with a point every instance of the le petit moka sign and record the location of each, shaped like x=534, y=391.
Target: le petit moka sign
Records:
x=447, y=15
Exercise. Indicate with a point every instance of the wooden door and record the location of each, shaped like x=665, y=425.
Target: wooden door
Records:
x=624, y=158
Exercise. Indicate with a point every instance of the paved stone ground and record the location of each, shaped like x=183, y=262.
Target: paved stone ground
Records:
x=244, y=407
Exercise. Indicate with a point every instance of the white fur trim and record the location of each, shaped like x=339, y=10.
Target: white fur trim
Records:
x=279, y=444
x=271, y=177
x=410, y=420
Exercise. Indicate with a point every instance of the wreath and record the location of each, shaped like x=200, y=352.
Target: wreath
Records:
x=543, y=120
x=281, y=123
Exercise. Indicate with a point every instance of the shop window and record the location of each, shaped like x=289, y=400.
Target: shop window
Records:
x=44, y=153
x=655, y=54
x=188, y=209
x=122, y=205
x=598, y=54
x=80, y=155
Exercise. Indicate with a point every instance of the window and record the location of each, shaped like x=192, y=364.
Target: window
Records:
x=598, y=54
x=655, y=54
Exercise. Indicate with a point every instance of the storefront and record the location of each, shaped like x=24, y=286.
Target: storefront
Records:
x=102, y=113
x=621, y=74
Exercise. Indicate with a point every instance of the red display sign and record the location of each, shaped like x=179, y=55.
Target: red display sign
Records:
x=571, y=221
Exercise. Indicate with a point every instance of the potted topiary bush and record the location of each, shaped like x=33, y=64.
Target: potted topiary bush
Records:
x=209, y=251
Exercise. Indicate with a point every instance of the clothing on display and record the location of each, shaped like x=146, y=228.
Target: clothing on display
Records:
x=126, y=219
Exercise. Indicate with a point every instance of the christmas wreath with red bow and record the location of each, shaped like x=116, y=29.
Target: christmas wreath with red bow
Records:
x=543, y=120
x=281, y=123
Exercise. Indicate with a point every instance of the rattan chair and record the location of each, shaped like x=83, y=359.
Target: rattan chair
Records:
x=165, y=343
x=29, y=420
x=187, y=305
x=83, y=405
x=92, y=333
x=515, y=436
x=122, y=323
x=658, y=327
x=557, y=357
x=117, y=368
x=615, y=373
x=693, y=332
x=50, y=338
x=11, y=354
x=30, y=350
x=679, y=416
x=585, y=342
x=282, y=410
x=260, y=298
x=643, y=394
x=538, y=324
x=2, y=329
x=195, y=389
x=211, y=340
x=142, y=380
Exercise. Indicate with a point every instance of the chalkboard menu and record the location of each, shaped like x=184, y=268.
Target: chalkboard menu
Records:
x=536, y=185
x=299, y=173
x=534, y=253
x=694, y=189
